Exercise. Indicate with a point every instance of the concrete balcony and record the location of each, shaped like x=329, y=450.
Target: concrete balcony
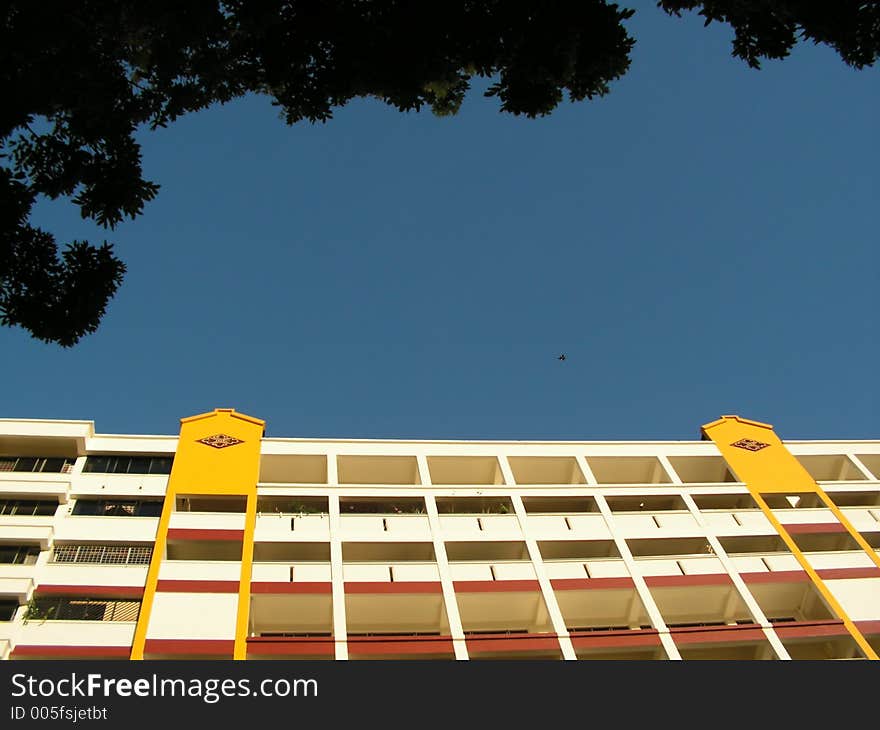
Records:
x=78, y=528
x=34, y=485
x=567, y=527
x=862, y=518
x=390, y=572
x=76, y=633
x=738, y=522
x=846, y=559
x=19, y=587
x=80, y=574
x=379, y=527
x=206, y=521
x=684, y=566
x=15, y=530
x=290, y=528
x=118, y=485
x=318, y=572
x=200, y=570
x=805, y=516
x=659, y=524
x=480, y=527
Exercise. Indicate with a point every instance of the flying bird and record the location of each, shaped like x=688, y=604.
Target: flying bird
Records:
x=561, y=357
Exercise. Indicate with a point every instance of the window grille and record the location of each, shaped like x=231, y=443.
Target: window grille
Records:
x=118, y=507
x=103, y=554
x=19, y=554
x=61, y=608
x=28, y=507
x=56, y=465
x=127, y=464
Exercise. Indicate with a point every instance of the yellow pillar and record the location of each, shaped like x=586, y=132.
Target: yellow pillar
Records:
x=218, y=453
x=758, y=458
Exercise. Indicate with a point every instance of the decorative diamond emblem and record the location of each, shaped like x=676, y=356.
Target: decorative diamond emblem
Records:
x=220, y=441
x=750, y=444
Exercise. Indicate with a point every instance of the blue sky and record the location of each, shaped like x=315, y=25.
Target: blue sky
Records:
x=702, y=241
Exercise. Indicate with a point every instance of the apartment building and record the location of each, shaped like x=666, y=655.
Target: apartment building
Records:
x=220, y=543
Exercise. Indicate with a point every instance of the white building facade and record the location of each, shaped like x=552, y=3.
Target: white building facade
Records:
x=220, y=543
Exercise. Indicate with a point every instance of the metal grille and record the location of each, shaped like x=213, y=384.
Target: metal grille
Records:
x=36, y=464
x=82, y=609
x=28, y=507
x=103, y=554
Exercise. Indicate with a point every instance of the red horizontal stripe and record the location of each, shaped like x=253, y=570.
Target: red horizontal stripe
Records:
x=511, y=642
x=207, y=647
x=188, y=534
x=868, y=628
x=707, y=579
x=716, y=634
x=92, y=652
x=805, y=629
x=811, y=528
x=777, y=576
x=581, y=584
x=614, y=639
x=400, y=587
x=491, y=586
x=197, y=586
x=295, y=587
x=840, y=573
x=363, y=645
x=90, y=591
x=290, y=646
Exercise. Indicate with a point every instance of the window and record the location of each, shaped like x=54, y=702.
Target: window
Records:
x=103, y=554
x=118, y=507
x=127, y=464
x=60, y=608
x=28, y=507
x=54, y=465
x=8, y=609
x=19, y=554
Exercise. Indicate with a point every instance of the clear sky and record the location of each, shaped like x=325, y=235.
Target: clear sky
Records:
x=701, y=241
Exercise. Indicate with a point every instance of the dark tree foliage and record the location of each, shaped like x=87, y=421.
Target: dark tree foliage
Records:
x=771, y=28
x=79, y=79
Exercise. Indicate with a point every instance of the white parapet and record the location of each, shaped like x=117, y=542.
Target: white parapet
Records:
x=80, y=528
x=359, y=573
x=35, y=485
x=392, y=527
x=193, y=616
x=657, y=525
x=607, y=568
x=842, y=559
x=778, y=563
x=285, y=572
x=654, y=566
x=26, y=533
x=119, y=485
x=862, y=518
x=480, y=527
x=207, y=521
x=860, y=597
x=76, y=633
x=81, y=574
x=200, y=570
x=701, y=566
x=804, y=516
x=292, y=528
x=514, y=571
x=16, y=587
